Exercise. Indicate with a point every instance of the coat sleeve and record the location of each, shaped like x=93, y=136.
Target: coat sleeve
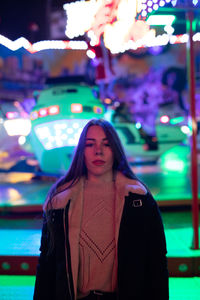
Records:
x=45, y=274
x=156, y=255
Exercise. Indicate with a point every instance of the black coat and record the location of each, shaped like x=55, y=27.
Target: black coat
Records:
x=142, y=263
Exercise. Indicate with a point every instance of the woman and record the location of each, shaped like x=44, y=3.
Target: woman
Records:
x=102, y=236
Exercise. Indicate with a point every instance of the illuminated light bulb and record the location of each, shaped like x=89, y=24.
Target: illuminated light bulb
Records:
x=138, y=125
x=196, y=37
x=53, y=110
x=169, y=29
x=22, y=140
x=91, y=54
x=57, y=126
x=11, y=114
x=42, y=132
x=77, y=135
x=185, y=129
x=184, y=38
x=43, y=112
x=76, y=108
x=155, y=1
x=78, y=45
x=59, y=143
x=97, y=110
x=150, y=9
x=107, y=101
x=172, y=39
x=48, y=146
x=70, y=130
x=63, y=126
x=75, y=125
x=149, y=3
x=162, y=3
x=144, y=13
x=58, y=132
x=155, y=6
x=195, y=2
x=164, y=119
x=71, y=141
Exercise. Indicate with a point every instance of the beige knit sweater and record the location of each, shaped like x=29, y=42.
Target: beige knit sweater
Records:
x=97, y=270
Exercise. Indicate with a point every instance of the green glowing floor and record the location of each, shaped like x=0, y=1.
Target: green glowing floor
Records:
x=22, y=236
x=21, y=288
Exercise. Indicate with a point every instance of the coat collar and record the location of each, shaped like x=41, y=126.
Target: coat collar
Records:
x=123, y=186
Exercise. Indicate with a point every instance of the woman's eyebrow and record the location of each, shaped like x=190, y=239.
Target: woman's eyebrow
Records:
x=92, y=139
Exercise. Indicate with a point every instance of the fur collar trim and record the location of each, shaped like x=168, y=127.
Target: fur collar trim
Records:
x=123, y=185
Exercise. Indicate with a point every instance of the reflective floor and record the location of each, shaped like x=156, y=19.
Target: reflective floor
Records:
x=21, y=288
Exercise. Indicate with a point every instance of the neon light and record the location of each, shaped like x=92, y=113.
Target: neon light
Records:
x=12, y=114
x=97, y=110
x=164, y=119
x=138, y=125
x=43, y=112
x=76, y=108
x=161, y=20
x=185, y=129
x=22, y=140
x=91, y=54
x=34, y=115
x=14, y=45
x=17, y=127
x=176, y=120
x=53, y=110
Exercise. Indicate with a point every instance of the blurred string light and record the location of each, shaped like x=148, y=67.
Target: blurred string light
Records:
x=118, y=23
x=159, y=40
x=148, y=6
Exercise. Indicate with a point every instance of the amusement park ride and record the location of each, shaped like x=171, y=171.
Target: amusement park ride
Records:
x=58, y=122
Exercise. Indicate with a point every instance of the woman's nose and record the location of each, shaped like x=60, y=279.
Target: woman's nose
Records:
x=98, y=149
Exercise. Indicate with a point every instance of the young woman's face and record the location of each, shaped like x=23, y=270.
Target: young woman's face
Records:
x=98, y=153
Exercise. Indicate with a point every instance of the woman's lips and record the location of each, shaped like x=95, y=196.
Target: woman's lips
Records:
x=98, y=162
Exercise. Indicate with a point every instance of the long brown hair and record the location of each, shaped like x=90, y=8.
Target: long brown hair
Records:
x=78, y=168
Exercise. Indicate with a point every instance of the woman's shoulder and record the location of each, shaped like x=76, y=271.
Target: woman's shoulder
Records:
x=130, y=185
x=136, y=187
x=63, y=195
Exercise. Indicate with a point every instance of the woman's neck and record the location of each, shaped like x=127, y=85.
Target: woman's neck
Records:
x=105, y=178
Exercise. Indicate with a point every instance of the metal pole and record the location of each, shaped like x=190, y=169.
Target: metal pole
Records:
x=194, y=161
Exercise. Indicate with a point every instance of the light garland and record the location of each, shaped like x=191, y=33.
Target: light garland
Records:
x=159, y=40
x=148, y=6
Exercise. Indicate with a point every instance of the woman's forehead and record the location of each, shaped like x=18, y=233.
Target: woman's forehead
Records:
x=95, y=132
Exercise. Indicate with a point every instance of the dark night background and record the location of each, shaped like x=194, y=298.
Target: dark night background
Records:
x=29, y=19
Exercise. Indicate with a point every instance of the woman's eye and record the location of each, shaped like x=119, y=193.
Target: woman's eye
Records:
x=107, y=145
x=89, y=145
